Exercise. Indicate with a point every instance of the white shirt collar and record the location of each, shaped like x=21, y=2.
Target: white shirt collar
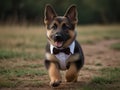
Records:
x=71, y=46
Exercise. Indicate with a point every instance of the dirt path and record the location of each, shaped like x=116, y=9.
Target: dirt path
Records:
x=97, y=56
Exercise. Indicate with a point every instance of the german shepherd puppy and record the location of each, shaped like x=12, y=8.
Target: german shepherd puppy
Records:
x=63, y=52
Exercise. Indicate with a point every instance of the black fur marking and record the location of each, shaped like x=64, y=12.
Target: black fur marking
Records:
x=80, y=62
x=48, y=48
x=71, y=25
x=47, y=64
x=59, y=20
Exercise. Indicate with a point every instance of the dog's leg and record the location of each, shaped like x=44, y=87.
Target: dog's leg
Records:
x=54, y=74
x=72, y=73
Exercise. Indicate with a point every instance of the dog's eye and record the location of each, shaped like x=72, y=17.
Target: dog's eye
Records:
x=65, y=27
x=54, y=27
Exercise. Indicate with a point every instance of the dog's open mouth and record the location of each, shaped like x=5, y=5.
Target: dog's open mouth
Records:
x=58, y=43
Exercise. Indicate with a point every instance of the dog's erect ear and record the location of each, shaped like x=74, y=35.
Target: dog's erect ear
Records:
x=71, y=13
x=49, y=14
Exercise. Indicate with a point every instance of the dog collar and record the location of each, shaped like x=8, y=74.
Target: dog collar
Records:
x=71, y=46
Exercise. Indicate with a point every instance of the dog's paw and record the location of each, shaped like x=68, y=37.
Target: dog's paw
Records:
x=55, y=83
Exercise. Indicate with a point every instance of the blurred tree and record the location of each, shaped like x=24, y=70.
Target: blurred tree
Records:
x=32, y=11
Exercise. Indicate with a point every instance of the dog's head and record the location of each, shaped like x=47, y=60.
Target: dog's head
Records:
x=60, y=29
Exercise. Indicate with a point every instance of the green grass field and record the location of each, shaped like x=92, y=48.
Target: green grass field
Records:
x=22, y=56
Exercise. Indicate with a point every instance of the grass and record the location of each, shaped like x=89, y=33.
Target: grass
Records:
x=98, y=64
x=110, y=78
x=112, y=34
x=20, y=50
x=12, y=77
x=94, y=35
x=21, y=72
x=35, y=83
x=33, y=65
x=22, y=54
x=8, y=54
x=5, y=54
x=8, y=84
x=90, y=42
x=115, y=46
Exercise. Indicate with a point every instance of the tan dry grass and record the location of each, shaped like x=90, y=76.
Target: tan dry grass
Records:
x=31, y=41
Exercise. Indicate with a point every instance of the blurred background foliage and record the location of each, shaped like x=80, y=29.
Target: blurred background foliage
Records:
x=32, y=11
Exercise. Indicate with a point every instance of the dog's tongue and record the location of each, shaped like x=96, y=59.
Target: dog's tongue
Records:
x=58, y=44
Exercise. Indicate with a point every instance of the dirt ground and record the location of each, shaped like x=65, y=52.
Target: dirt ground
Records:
x=98, y=55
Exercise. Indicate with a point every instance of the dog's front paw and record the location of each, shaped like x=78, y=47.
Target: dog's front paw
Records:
x=55, y=83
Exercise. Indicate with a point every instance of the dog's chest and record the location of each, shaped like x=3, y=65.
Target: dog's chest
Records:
x=62, y=57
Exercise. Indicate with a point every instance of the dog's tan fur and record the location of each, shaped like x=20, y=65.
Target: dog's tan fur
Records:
x=54, y=73
x=74, y=64
x=72, y=73
x=72, y=33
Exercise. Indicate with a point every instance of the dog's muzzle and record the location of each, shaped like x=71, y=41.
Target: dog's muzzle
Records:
x=58, y=37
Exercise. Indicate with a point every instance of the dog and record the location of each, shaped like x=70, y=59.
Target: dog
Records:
x=63, y=52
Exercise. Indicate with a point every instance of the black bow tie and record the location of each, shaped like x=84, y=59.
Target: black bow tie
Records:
x=65, y=50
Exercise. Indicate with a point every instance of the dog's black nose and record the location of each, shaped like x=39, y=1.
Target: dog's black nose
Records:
x=58, y=37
